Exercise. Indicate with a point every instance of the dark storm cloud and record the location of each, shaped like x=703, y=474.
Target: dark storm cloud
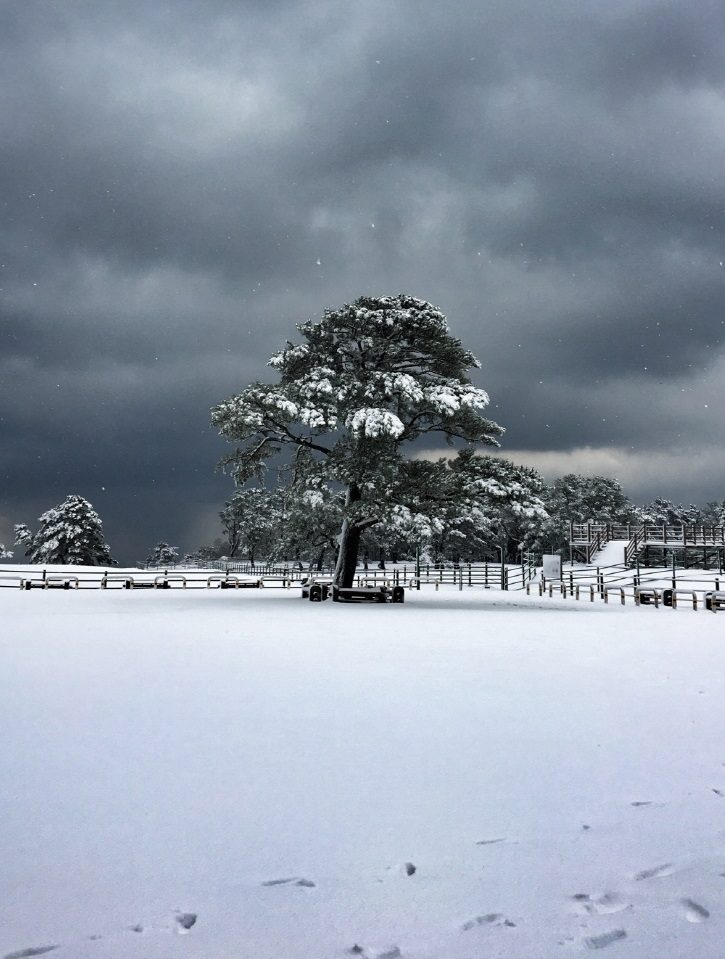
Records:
x=180, y=184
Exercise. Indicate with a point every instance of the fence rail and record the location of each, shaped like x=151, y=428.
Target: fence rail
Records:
x=222, y=575
x=618, y=580
x=621, y=575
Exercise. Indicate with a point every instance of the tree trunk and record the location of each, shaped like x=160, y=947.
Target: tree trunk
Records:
x=347, y=556
x=350, y=536
x=321, y=559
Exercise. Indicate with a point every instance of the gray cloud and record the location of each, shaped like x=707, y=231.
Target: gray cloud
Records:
x=179, y=185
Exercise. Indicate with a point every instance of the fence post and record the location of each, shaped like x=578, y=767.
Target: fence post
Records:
x=674, y=573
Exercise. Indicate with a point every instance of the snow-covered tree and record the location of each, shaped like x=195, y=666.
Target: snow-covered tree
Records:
x=210, y=553
x=163, y=555
x=714, y=513
x=250, y=520
x=23, y=534
x=5, y=553
x=366, y=381
x=309, y=519
x=508, y=500
x=397, y=539
x=472, y=504
x=583, y=499
x=71, y=532
x=663, y=512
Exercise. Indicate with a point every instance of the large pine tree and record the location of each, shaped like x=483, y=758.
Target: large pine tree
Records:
x=364, y=383
x=70, y=533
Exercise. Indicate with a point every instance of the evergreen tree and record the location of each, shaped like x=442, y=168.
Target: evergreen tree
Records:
x=163, y=555
x=663, y=512
x=70, y=533
x=714, y=513
x=250, y=520
x=5, y=553
x=210, y=553
x=583, y=499
x=309, y=519
x=510, y=500
x=473, y=504
x=23, y=535
x=365, y=382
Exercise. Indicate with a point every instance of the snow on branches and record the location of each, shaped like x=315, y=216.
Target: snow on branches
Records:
x=367, y=379
x=71, y=532
x=381, y=368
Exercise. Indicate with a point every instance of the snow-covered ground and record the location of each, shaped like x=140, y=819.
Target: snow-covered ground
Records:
x=550, y=773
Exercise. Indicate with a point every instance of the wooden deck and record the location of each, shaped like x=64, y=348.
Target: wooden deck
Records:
x=587, y=539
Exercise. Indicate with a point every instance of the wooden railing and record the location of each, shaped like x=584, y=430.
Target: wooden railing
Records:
x=506, y=576
x=589, y=538
x=581, y=533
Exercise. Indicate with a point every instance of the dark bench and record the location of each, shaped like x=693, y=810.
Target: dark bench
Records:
x=368, y=594
x=232, y=582
x=51, y=582
x=646, y=596
x=715, y=600
x=315, y=591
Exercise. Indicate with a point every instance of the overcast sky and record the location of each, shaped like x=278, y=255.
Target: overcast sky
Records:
x=182, y=182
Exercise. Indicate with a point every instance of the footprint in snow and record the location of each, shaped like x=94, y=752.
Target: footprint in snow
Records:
x=392, y=952
x=606, y=939
x=488, y=919
x=694, y=912
x=290, y=881
x=719, y=792
x=32, y=951
x=185, y=921
x=607, y=904
x=181, y=924
x=666, y=869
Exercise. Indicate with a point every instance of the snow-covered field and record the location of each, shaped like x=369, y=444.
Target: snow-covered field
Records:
x=550, y=773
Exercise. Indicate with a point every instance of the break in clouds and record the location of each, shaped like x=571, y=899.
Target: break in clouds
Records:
x=181, y=184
